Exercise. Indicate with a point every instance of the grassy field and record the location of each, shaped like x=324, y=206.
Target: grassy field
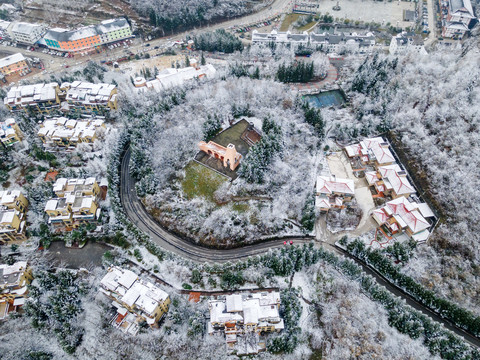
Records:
x=289, y=19
x=201, y=181
x=307, y=27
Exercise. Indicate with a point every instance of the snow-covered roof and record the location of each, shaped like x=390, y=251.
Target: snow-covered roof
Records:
x=25, y=28
x=397, y=179
x=8, y=196
x=406, y=213
x=329, y=185
x=234, y=303
x=12, y=59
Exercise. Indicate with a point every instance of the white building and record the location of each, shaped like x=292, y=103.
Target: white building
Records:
x=337, y=42
x=136, y=300
x=171, y=77
x=26, y=33
x=403, y=43
x=458, y=19
x=242, y=317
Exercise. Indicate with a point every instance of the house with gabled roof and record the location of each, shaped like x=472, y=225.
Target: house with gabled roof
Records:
x=373, y=151
x=390, y=180
x=332, y=192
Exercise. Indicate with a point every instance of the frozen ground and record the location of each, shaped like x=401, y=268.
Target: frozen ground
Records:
x=369, y=10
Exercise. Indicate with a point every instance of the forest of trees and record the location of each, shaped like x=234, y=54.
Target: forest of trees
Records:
x=218, y=40
x=296, y=72
x=172, y=16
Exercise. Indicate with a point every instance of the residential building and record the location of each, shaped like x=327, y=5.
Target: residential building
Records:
x=458, y=18
x=60, y=133
x=13, y=210
x=13, y=64
x=401, y=215
x=88, y=37
x=371, y=151
x=26, y=33
x=171, y=77
x=336, y=42
x=390, y=180
x=10, y=133
x=87, y=97
x=41, y=98
x=245, y=316
x=228, y=155
x=333, y=192
x=136, y=300
x=405, y=42
x=76, y=203
x=13, y=286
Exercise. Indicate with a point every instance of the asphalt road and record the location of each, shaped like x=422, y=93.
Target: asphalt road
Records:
x=136, y=212
x=138, y=215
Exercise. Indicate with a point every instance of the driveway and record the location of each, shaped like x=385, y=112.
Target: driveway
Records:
x=341, y=168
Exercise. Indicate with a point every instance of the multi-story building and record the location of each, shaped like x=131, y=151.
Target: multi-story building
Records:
x=405, y=42
x=458, y=17
x=136, y=300
x=41, y=98
x=13, y=286
x=336, y=42
x=76, y=203
x=64, y=134
x=239, y=316
x=13, y=64
x=26, y=33
x=88, y=37
x=13, y=209
x=91, y=98
x=10, y=133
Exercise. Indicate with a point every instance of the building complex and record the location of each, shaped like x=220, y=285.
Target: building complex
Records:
x=26, y=33
x=76, y=203
x=88, y=37
x=326, y=42
x=13, y=218
x=407, y=42
x=10, y=133
x=244, y=318
x=136, y=300
x=13, y=286
x=60, y=133
x=79, y=96
x=403, y=212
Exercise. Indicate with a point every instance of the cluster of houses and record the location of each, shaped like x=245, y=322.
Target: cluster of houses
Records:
x=60, y=133
x=171, y=77
x=76, y=203
x=79, y=96
x=333, y=43
x=245, y=319
x=402, y=211
x=137, y=301
x=81, y=39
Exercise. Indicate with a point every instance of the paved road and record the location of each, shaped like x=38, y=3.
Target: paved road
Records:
x=143, y=220
x=472, y=340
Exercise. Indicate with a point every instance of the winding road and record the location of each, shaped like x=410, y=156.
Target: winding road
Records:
x=136, y=212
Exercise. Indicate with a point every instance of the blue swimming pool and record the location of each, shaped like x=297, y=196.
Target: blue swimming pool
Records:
x=326, y=99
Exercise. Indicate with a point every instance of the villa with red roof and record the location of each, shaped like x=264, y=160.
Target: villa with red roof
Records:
x=372, y=151
x=390, y=180
x=332, y=192
x=401, y=215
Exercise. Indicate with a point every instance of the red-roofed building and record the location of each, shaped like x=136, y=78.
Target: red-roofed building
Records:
x=333, y=192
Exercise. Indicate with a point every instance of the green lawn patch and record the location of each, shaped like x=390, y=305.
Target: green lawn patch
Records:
x=240, y=208
x=307, y=26
x=201, y=181
x=289, y=20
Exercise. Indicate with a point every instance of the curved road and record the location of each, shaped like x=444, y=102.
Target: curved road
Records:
x=136, y=212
